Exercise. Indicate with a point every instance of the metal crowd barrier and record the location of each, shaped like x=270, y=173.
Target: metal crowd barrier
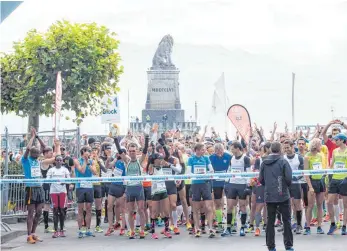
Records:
x=13, y=197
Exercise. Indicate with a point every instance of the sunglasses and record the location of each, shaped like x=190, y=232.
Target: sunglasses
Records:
x=132, y=151
x=89, y=151
x=59, y=160
x=62, y=149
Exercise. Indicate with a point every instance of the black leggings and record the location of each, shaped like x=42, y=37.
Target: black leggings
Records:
x=58, y=215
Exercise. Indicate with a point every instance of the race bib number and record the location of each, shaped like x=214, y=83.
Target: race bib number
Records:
x=167, y=171
x=158, y=187
x=35, y=171
x=339, y=165
x=200, y=170
x=117, y=172
x=317, y=166
x=86, y=184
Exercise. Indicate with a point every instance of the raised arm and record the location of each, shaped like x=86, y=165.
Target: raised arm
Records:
x=30, y=143
x=272, y=138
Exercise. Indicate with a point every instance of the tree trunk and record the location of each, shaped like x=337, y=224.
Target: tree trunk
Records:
x=33, y=122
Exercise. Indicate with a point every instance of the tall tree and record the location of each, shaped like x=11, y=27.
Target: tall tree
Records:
x=86, y=54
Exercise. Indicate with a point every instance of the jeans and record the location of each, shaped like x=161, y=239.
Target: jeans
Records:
x=285, y=210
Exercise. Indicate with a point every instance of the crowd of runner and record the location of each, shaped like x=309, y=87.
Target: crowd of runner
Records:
x=138, y=209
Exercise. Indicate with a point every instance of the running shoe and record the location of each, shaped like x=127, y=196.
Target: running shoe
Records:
x=278, y=223
x=189, y=226
x=132, y=235
x=167, y=234
x=320, y=230
x=89, y=234
x=274, y=249
x=313, y=222
x=298, y=229
x=280, y=229
x=147, y=227
x=49, y=230
x=233, y=229
x=98, y=229
x=294, y=225
x=55, y=234
x=327, y=218
x=80, y=234
x=290, y=249
x=257, y=232
x=203, y=230
x=109, y=231
x=212, y=234
x=343, y=231
x=30, y=240
x=192, y=231
x=155, y=236
x=122, y=232
x=332, y=230
x=198, y=233
x=176, y=231
x=116, y=226
x=250, y=229
x=36, y=238
x=308, y=231
x=219, y=229
x=226, y=233
x=142, y=234
x=62, y=234
x=242, y=231
x=83, y=230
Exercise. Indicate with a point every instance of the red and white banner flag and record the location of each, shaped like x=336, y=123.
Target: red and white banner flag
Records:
x=57, y=105
x=239, y=116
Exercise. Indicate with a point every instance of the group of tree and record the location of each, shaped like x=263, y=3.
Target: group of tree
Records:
x=87, y=57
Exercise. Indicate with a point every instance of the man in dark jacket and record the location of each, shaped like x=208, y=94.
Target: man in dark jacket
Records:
x=276, y=176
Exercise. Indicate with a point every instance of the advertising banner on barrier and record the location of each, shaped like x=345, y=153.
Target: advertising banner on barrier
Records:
x=170, y=177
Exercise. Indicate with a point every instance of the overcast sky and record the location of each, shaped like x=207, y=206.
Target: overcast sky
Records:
x=256, y=43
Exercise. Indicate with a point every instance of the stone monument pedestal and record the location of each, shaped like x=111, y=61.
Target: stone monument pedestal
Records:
x=163, y=96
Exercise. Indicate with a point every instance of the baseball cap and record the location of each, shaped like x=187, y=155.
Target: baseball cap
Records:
x=340, y=136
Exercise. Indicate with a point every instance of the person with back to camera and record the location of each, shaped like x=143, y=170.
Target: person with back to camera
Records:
x=276, y=176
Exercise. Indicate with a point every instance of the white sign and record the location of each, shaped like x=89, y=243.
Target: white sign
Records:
x=111, y=112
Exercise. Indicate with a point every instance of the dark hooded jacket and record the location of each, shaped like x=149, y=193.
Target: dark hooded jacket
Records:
x=276, y=176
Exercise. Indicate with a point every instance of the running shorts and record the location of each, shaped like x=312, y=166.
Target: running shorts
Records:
x=34, y=195
x=116, y=190
x=85, y=195
x=236, y=191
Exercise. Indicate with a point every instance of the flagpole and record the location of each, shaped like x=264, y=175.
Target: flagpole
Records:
x=293, y=114
x=128, y=110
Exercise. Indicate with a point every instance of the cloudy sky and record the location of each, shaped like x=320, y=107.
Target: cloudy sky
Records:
x=257, y=44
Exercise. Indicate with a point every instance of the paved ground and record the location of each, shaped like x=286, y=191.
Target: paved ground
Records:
x=182, y=242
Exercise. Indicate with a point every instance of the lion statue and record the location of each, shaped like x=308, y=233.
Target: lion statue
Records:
x=162, y=57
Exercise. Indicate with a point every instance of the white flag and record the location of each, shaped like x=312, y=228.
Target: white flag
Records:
x=57, y=110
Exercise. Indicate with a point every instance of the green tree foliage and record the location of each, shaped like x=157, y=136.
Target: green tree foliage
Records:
x=86, y=54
